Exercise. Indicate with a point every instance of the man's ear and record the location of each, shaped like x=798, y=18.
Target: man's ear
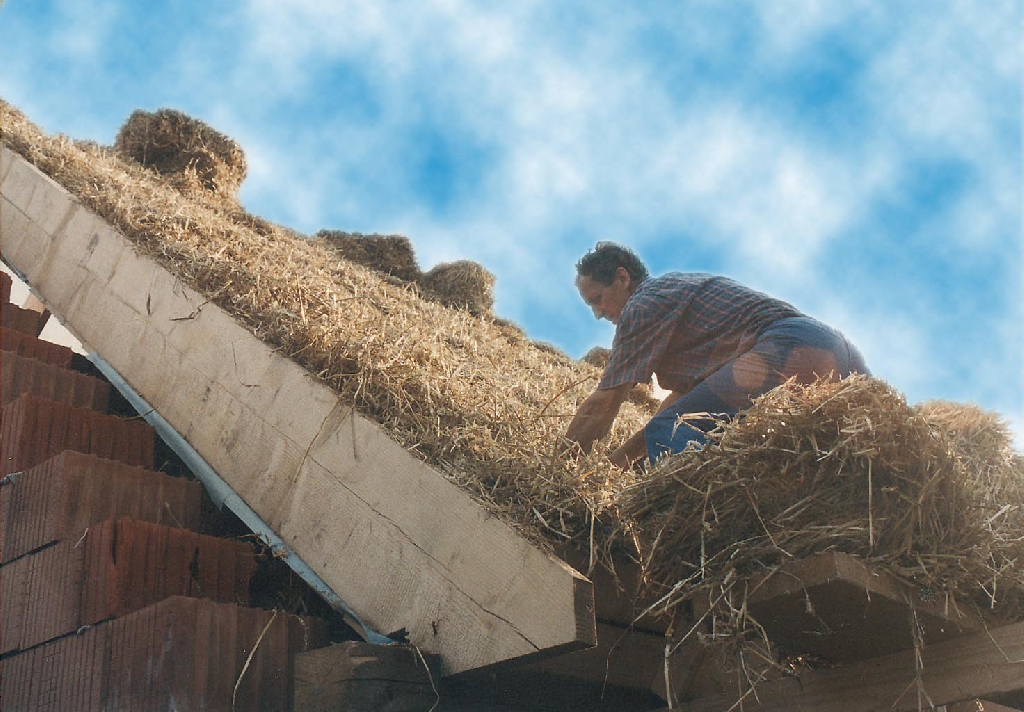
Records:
x=623, y=274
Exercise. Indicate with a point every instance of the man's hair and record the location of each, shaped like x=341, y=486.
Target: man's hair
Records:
x=601, y=263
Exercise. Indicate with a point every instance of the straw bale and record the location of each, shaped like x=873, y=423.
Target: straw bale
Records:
x=597, y=356
x=978, y=435
x=551, y=349
x=934, y=494
x=512, y=330
x=462, y=284
x=389, y=254
x=188, y=151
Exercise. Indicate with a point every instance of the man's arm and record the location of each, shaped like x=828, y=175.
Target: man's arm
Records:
x=595, y=417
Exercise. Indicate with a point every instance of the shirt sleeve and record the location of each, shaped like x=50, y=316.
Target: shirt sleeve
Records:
x=641, y=338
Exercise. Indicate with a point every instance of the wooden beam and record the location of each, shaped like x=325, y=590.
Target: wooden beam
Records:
x=618, y=595
x=983, y=665
x=622, y=658
x=403, y=546
x=838, y=607
x=360, y=677
x=978, y=706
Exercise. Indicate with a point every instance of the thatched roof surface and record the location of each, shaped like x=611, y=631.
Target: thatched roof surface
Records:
x=932, y=492
x=437, y=379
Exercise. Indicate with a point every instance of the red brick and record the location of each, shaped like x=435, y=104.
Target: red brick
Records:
x=60, y=497
x=5, y=287
x=35, y=429
x=182, y=653
x=20, y=374
x=26, y=321
x=69, y=675
x=145, y=573
x=49, y=597
x=13, y=604
x=116, y=568
x=32, y=347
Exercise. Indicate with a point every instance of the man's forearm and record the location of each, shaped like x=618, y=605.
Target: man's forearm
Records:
x=630, y=451
x=589, y=426
x=595, y=417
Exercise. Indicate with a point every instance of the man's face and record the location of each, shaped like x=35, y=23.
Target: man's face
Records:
x=606, y=300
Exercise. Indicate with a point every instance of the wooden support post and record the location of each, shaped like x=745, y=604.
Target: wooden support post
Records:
x=983, y=665
x=978, y=706
x=359, y=677
x=836, y=606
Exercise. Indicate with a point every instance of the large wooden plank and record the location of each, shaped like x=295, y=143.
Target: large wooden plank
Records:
x=622, y=658
x=400, y=544
x=979, y=706
x=836, y=606
x=360, y=677
x=987, y=665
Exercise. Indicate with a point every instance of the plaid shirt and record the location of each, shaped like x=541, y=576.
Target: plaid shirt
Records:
x=684, y=327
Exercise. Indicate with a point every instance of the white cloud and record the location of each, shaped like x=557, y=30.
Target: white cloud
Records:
x=81, y=31
x=942, y=82
x=771, y=196
x=596, y=136
x=673, y=130
x=595, y=141
x=789, y=26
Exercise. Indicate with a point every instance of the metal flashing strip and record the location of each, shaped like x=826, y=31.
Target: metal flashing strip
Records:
x=222, y=495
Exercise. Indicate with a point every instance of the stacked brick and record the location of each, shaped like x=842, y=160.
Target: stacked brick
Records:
x=62, y=497
x=19, y=374
x=179, y=654
x=35, y=429
x=24, y=320
x=117, y=567
x=109, y=598
x=18, y=342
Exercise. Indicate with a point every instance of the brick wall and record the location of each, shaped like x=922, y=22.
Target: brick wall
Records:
x=109, y=598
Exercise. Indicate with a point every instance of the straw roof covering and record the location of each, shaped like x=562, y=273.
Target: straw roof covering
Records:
x=462, y=284
x=189, y=152
x=389, y=254
x=436, y=378
x=932, y=491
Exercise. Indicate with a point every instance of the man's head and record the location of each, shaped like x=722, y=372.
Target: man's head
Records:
x=607, y=276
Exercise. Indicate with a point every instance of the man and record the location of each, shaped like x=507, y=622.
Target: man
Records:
x=712, y=342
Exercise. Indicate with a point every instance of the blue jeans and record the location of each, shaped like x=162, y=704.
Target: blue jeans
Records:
x=798, y=347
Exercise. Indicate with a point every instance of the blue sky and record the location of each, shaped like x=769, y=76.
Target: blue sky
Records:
x=862, y=160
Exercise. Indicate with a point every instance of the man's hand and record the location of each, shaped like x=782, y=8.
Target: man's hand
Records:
x=596, y=415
